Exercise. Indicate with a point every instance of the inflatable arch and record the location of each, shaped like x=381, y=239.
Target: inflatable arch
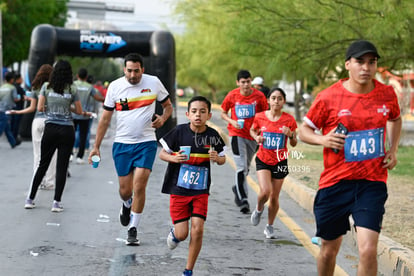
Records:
x=156, y=47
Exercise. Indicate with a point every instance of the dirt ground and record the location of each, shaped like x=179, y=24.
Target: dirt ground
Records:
x=398, y=221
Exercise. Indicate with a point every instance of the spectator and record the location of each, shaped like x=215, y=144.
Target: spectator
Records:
x=38, y=126
x=16, y=118
x=87, y=95
x=56, y=98
x=258, y=83
x=8, y=99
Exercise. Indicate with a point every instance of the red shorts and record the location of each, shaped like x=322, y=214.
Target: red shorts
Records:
x=184, y=207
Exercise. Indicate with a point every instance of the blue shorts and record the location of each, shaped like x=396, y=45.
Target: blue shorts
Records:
x=362, y=199
x=129, y=156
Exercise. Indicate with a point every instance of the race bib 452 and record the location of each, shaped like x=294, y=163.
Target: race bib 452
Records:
x=193, y=177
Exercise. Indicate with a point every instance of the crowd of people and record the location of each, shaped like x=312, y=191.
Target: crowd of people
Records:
x=350, y=119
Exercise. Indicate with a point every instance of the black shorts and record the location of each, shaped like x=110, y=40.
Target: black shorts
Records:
x=279, y=171
x=363, y=199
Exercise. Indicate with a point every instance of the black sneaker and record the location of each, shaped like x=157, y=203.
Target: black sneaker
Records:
x=125, y=215
x=236, y=198
x=244, y=207
x=132, y=237
x=18, y=142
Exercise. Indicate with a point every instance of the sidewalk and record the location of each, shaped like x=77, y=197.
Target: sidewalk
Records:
x=393, y=258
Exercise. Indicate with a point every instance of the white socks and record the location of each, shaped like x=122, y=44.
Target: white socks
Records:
x=135, y=219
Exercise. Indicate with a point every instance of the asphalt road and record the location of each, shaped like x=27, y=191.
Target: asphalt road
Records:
x=87, y=238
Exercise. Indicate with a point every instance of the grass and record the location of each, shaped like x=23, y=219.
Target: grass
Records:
x=405, y=162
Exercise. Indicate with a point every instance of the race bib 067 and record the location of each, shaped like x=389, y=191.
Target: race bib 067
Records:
x=273, y=141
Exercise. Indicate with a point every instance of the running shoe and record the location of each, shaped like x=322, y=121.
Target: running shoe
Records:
x=244, y=207
x=172, y=241
x=132, y=237
x=269, y=233
x=255, y=218
x=29, y=204
x=80, y=161
x=125, y=214
x=187, y=272
x=57, y=207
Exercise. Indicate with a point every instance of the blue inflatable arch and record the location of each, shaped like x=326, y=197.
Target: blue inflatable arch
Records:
x=156, y=47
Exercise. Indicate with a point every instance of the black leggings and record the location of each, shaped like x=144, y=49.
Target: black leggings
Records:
x=62, y=138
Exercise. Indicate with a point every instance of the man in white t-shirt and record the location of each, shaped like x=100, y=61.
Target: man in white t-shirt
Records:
x=134, y=97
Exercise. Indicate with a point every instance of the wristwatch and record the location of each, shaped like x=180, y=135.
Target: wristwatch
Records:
x=293, y=135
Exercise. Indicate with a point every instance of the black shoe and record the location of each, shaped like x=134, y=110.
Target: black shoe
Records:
x=125, y=215
x=18, y=142
x=244, y=207
x=236, y=198
x=132, y=237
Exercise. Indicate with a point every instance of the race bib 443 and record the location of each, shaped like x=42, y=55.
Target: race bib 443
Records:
x=364, y=145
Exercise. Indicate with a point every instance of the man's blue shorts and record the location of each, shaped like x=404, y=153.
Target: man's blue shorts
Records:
x=363, y=199
x=129, y=156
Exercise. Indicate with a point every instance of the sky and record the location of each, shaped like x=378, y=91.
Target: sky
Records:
x=148, y=14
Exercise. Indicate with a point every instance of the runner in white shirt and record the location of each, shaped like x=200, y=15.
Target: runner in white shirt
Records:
x=134, y=97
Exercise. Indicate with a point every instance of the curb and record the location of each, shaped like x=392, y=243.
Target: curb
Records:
x=393, y=257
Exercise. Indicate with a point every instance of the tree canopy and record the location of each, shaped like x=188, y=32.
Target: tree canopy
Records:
x=299, y=39
x=19, y=17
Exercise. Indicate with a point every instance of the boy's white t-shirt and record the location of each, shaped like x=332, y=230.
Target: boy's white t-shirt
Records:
x=136, y=106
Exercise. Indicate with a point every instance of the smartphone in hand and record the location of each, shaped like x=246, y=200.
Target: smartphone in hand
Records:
x=154, y=117
x=341, y=129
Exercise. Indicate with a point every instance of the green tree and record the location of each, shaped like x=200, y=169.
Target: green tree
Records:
x=19, y=17
x=205, y=58
x=299, y=39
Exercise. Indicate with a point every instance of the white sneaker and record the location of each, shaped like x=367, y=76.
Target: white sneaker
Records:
x=269, y=233
x=57, y=207
x=255, y=217
x=80, y=161
x=29, y=204
x=172, y=241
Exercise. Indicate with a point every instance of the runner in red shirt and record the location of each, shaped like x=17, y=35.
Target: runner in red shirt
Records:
x=244, y=102
x=272, y=129
x=356, y=160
